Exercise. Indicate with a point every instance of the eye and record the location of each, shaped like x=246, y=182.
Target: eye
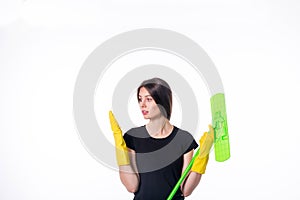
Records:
x=139, y=100
x=149, y=99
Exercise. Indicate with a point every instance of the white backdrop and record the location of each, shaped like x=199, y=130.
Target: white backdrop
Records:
x=254, y=44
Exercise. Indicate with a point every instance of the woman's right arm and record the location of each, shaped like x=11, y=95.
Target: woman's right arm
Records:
x=126, y=158
x=128, y=173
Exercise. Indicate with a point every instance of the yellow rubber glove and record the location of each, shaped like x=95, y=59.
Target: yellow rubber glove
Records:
x=206, y=143
x=121, y=149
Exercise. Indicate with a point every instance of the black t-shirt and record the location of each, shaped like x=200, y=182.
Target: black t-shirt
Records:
x=159, y=161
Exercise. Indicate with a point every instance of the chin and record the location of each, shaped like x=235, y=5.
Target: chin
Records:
x=146, y=117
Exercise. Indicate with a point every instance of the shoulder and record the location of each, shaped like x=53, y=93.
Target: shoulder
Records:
x=136, y=132
x=135, y=129
x=184, y=134
x=131, y=137
x=186, y=139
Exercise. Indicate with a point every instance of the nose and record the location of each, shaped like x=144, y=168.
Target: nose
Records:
x=142, y=103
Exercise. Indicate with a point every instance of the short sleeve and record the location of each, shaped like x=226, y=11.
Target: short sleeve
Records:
x=129, y=141
x=193, y=145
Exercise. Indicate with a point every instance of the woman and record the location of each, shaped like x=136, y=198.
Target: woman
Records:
x=159, y=151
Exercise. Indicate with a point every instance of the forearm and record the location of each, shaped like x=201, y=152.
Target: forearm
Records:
x=190, y=183
x=129, y=175
x=129, y=179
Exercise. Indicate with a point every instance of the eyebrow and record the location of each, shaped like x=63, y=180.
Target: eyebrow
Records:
x=148, y=95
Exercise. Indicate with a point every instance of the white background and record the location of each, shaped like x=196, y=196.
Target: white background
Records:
x=254, y=44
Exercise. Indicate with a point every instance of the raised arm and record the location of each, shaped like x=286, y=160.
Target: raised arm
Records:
x=125, y=158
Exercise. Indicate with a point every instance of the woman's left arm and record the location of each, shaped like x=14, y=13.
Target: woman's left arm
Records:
x=192, y=179
x=200, y=162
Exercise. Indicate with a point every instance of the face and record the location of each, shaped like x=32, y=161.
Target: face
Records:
x=147, y=105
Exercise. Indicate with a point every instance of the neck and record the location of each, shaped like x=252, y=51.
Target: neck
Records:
x=159, y=127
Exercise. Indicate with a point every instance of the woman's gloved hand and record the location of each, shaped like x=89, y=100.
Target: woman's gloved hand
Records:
x=121, y=149
x=206, y=143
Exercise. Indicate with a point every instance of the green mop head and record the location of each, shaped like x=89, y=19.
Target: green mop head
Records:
x=219, y=117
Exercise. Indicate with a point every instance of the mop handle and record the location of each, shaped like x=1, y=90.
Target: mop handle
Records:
x=183, y=176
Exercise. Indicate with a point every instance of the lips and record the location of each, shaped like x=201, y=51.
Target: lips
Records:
x=145, y=112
